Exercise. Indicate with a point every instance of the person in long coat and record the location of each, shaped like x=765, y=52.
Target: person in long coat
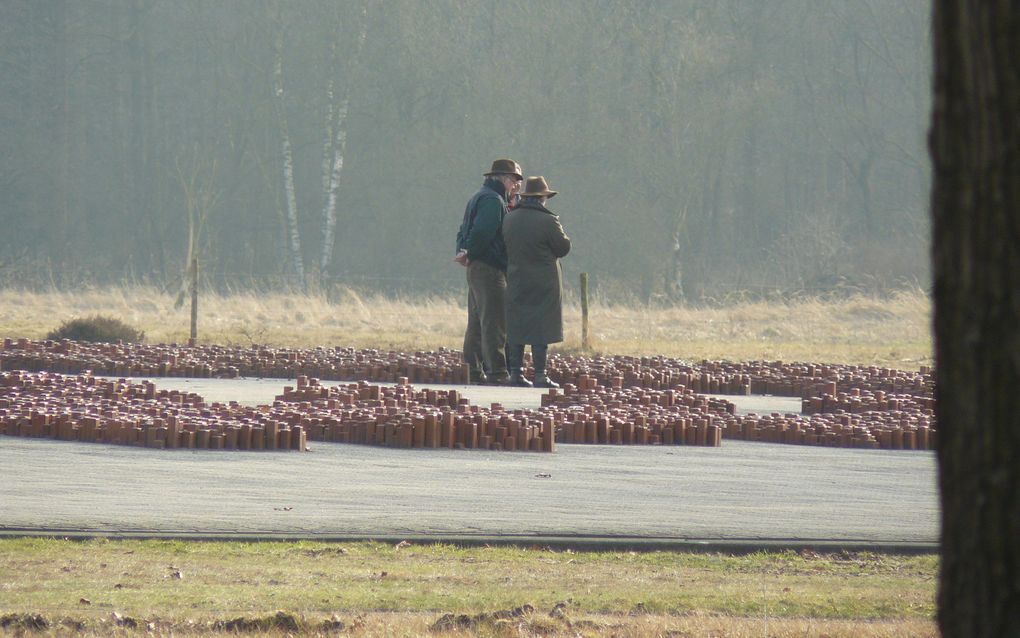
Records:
x=535, y=242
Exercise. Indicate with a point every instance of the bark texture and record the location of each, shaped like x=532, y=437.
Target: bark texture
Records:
x=336, y=142
x=293, y=232
x=975, y=148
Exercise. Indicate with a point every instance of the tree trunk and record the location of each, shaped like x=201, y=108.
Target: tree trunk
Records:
x=675, y=278
x=336, y=144
x=327, y=136
x=293, y=233
x=63, y=187
x=976, y=257
x=137, y=154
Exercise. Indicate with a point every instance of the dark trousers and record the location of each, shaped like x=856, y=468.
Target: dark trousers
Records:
x=515, y=357
x=485, y=337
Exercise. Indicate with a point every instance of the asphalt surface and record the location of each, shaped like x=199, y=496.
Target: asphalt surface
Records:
x=739, y=496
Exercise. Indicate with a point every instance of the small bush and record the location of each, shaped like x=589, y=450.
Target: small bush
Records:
x=97, y=329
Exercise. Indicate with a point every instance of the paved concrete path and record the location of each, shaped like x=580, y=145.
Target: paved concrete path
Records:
x=741, y=493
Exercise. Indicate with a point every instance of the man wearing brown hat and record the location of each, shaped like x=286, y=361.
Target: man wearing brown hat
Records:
x=535, y=241
x=481, y=249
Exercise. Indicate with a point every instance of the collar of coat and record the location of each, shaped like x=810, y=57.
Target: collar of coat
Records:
x=497, y=185
x=534, y=206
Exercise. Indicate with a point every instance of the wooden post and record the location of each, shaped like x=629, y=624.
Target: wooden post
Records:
x=585, y=339
x=194, y=300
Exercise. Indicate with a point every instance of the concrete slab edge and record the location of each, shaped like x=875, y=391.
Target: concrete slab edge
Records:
x=552, y=542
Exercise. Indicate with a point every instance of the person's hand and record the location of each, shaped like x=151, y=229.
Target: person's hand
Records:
x=462, y=258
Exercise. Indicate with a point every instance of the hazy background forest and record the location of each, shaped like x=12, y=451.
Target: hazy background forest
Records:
x=701, y=149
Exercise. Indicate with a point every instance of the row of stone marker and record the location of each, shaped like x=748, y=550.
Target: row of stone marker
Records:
x=89, y=409
x=406, y=417
x=878, y=407
x=910, y=426
x=803, y=380
x=85, y=408
x=677, y=418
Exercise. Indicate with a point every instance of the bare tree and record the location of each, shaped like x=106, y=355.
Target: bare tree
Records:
x=974, y=139
x=197, y=178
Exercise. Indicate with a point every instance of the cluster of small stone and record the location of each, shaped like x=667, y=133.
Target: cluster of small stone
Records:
x=777, y=378
x=877, y=408
x=857, y=401
x=595, y=414
x=402, y=416
x=599, y=414
x=900, y=417
x=87, y=409
x=618, y=399
x=887, y=430
x=210, y=361
x=405, y=417
x=445, y=366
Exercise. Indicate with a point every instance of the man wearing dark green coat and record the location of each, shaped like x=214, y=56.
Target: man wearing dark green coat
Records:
x=481, y=249
x=535, y=241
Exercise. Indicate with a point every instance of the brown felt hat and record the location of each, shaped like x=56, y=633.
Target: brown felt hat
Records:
x=505, y=167
x=537, y=187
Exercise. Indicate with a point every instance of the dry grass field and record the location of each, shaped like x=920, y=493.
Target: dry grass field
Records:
x=139, y=588
x=892, y=331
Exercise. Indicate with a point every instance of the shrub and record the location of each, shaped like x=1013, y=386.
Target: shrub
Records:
x=97, y=329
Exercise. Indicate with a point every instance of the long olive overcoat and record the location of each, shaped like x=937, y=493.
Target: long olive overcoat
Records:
x=534, y=243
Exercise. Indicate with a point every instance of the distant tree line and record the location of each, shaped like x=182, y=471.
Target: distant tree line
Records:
x=699, y=148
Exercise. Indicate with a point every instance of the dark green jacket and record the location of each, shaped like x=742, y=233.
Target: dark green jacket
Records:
x=535, y=241
x=481, y=231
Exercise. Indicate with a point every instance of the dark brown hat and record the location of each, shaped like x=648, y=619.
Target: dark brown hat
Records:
x=537, y=187
x=505, y=167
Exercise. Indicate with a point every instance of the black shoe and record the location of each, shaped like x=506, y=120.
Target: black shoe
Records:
x=542, y=381
x=497, y=379
x=477, y=377
x=519, y=381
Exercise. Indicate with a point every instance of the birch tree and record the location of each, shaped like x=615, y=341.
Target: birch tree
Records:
x=335, y=137
x=287, y=157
